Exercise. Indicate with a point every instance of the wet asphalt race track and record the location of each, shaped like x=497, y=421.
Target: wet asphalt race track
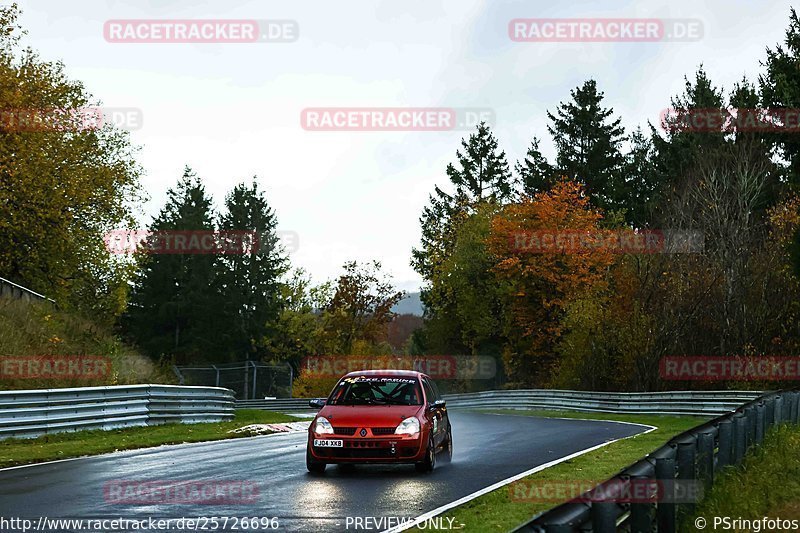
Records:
x=487, y=449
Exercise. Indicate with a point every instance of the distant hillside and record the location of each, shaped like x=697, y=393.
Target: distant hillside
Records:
x=410, y=305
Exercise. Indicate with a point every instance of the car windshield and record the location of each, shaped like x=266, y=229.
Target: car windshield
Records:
x=383, y=390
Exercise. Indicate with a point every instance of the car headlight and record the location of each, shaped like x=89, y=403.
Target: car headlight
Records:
x=323, y=426
x=409, y=426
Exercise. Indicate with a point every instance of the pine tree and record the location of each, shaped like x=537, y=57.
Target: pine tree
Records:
x=780, y=88
x=172, y=304
x=484, y=173
x=248, y=282
x=534, y=173
x=678, y=150
x=588, y=145
x=641, y=180
x=482, y=177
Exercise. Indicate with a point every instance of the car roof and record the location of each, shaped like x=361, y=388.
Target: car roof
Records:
x=396, y=373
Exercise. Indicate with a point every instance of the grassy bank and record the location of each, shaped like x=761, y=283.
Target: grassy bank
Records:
x=80, y=443
x=37, y=329
x=766, y=484
x=500, y=511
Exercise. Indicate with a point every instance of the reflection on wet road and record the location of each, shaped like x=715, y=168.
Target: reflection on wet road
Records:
x=488, y=449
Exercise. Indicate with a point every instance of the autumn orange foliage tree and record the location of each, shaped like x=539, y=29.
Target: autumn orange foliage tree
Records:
x=540, y=285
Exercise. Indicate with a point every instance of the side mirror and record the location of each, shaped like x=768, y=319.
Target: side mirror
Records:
x=438, y=404
x=317, y=403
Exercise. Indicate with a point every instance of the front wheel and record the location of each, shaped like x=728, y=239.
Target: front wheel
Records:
x=313, y=466
x=429, y=463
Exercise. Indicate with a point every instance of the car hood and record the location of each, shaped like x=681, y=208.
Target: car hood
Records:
x=368, y=415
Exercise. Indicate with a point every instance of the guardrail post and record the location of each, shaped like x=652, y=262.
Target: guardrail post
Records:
x=778, y=411
x=725, y=453
x=604, y=516
x=739, y=437
x=665, y=471
x=641, y=511
x=750, y=433
x=770, y=418
x=687, y=472
x=788, y=401
x=705, y=457
x=760, y=413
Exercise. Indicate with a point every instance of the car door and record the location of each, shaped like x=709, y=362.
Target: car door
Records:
x=445, y=416
x=434, y=413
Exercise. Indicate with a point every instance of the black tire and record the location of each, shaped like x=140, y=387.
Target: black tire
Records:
x=313, y=466
x=429, y=463
x=447, y=447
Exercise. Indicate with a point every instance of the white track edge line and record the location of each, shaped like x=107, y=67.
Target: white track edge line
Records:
x=439, y=510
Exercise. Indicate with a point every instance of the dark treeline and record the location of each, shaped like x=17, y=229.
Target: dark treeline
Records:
x=596, y=320
x=604, y=321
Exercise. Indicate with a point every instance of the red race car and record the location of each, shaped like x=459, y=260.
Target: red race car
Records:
x=380, y=416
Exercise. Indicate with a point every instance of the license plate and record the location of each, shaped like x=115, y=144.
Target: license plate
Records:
x=320, y=443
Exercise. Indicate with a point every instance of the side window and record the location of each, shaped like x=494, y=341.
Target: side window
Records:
x=436, y=390
x=431, y=396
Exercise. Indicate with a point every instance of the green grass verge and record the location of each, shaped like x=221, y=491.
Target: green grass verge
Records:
x=497, y=511
x=15, y=452
x=767, y=484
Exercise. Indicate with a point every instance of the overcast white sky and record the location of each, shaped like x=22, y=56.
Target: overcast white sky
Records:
x=231, y=111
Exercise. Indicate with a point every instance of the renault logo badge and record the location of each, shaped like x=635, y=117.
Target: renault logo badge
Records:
x=363, y=432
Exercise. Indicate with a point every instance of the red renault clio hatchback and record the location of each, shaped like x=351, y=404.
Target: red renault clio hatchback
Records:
x=380, y=416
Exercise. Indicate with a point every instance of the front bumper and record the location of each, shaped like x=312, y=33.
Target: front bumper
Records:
x=370, y=449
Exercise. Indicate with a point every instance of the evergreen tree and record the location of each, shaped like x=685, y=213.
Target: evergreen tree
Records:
x=678, y=150
x=172, y=304
x=780, y=88
x=482, y=177
x=641, y=179
x=534, y=173
x=248, y=282
x=588, y=145
x=484, y=173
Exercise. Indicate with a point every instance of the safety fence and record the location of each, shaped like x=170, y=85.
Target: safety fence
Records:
x=247, y=379
x=30, y=413
x=700, y=403
x=693, y=457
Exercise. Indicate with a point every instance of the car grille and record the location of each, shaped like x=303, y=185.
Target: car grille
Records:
x=344, y=431
x=382, y=431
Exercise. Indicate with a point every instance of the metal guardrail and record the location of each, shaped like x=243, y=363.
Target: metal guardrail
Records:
x=699, y=403
x=695, y=455
x=10, y=289
x=30, y=413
